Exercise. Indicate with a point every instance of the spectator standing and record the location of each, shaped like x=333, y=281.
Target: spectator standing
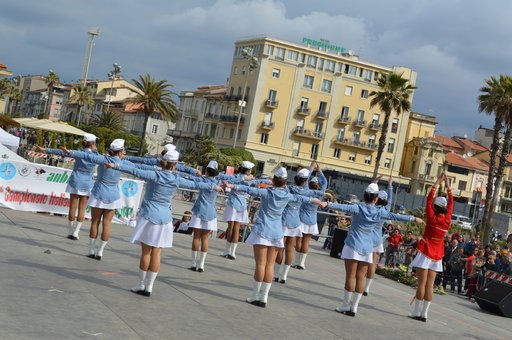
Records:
x=457, y=264
x=447, y=266
x=469, y=247
x=394, y=242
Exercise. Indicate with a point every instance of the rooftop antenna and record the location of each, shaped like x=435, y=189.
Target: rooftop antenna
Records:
x=93, y=32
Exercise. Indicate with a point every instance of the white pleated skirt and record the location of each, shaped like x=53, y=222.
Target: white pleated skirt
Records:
x=292, y=232
x=93, y=202
x=257, y=239
x=71, y=190
x=421, y=261
x=231, y=214
x=378, y=249
x=197, y=223
x=154, y=235
x=310, y=229
x=349, y=253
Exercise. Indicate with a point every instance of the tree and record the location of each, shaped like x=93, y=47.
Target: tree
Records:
x=81, y=97
x=153, y=97
x=394, y=95
x=109, y=119
x=8, y=88
x=495, y=98
x=52, y=79
x=16, y=97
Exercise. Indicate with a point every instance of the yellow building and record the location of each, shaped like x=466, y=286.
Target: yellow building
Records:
x=420, y=125
x=4, y=72
x=306, y=102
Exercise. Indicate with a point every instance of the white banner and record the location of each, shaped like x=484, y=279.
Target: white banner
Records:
x=37, y=187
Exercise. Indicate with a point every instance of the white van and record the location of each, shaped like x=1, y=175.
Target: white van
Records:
x=462, y=222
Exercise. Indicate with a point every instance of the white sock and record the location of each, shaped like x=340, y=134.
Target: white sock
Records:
x=76, y=230
x=92, y=245
x=356, y=297
x=285, y=271
x=142, y=281
x=265, y=288
x=194, y=259
x=416, y=308
x=101, y=248
x=150, y=279
x=367, y=285
x=276, y=270
x=303, y=259
x=71, y=227
x=256, y=287
x=424, y=310
x=227, y=249
x=202, y=258
x=233, y=249
x=345, y=306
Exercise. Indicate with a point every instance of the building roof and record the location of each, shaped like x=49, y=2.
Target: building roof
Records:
x=466, y=162
x=470, y=144
x=448, y=143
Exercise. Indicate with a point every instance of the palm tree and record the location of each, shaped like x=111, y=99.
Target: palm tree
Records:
x=81, y=97
x=496, y=98
x=52, y=79
x=153, y=96
x=110, y=120
x=394, y=95
x=16, y=95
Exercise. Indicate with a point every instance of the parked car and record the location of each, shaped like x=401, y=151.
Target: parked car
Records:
x=349, y=199
x=462, y=222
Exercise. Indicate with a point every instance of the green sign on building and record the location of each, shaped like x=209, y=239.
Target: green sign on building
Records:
x=324, y=44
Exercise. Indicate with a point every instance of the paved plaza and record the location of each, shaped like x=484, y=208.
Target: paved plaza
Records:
x=50, y=290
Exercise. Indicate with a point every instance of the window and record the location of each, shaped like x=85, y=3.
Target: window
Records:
x=300, y=124
x=361, y=70
x=341, y=134
x=352, y=156
x=264, y=138
x=428, y=168
x=371, y=141
x=293, y=55
x=339, y=67
x=431, y=152
x=368, y=160
x=360, y=116
x=302, y=57
x=462, y=185
x=391, y=145
x=268, y=118
x=231, y=133
x=364, y=94
x=296, y=149
x=329, y=66
x=326, y=85
x=387, y=163
x=270, y=50
x=344, y=111
x=323, y=107
x=275, y=73
x=314, y=151
x=321, y=63
x=308, y=81
x=318, y=128
x=235, y=70
x=272, y=95
x=337, y=153
x=356, y=137
x=280, y=53
x=243, y=69
x=231, y=90
x=154, y=129
x=350, y=69
x=368, y=75
x=348, y=90
x=304, y=103
x=376, y=118
x=239, y=91
x=312, y=61
x=394, y=125
x=213, y=130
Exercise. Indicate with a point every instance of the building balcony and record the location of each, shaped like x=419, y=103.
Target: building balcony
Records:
x=231, y=119
x=356, y=144
x=272, y=104
x=426, y=178
x=300, y=132
x=359, y=123
x=344, y=120
x=375, y=126
x=303, y=111
x=182, y=134
x=211, y=116
x=267, y=126
x=232, y=97
x=322, y=115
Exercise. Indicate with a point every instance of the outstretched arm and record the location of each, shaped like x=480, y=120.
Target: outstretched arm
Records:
x=88, y=156
x=149, y=175
x=143, y=160
x=243, y=188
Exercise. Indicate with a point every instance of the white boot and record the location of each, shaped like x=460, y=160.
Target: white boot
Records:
x=232, y=251
x=265, y=288
x=424, y=311
x=202, y=258
x=277, y=266
x=302, y=263
x=226, y=250
x=142, y=282
x=416, y=308
x=71, y=227
x=92, y=247
x=76, y=230
x=296, y=259
x=194, y=261
x=345, y=306
x=101, y=247
x=284, y=273
x=150, y=279
x=255, y=297
x=367, y=285
x=356, y=297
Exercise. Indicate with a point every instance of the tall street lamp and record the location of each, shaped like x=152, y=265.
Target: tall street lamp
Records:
x=253, y=64
x=113, y=75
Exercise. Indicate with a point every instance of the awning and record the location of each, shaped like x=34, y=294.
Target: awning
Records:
x=8, y=121
x=48, y=125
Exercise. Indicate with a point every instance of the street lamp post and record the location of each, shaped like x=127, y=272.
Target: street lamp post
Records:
x=112, y=75
x=253, y=64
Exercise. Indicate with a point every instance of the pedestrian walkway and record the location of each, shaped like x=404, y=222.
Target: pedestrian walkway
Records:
x=50, y=290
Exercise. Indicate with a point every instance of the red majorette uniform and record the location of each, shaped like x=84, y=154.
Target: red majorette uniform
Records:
x=431, y=245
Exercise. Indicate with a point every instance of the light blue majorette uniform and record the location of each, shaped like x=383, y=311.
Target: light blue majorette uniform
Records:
x=268, y=228
x=308, y=211
x=204, y=213
x=154, y=218
x=291, y=219
x=377, y=238
x=81, y=179
x=365, y=218
x=156, y=161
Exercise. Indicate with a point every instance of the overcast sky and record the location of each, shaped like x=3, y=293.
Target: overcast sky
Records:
x=453, y=45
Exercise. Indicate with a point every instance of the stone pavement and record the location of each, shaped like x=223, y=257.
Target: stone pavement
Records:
x=50, y=290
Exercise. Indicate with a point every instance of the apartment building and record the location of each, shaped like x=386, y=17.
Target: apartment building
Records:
x=4, y=72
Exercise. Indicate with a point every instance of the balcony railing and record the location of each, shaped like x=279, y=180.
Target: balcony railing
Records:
x=322, y=115
x=273, y=104
x=209, y=115
x=303, y=111
x=375, y=126
x=300, y=132
x=344, y=120
x=356, y=143
x=267, y=126
x=231, y=119
x=360, y=123
x=426, y=177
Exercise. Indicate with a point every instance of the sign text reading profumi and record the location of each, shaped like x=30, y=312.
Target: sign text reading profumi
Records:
x=324, y=44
